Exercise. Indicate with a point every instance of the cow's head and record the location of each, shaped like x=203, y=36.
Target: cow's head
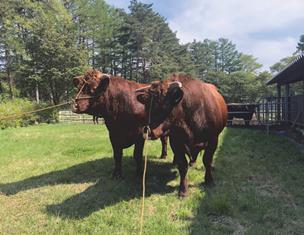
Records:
x=91, y=87
x=159, y=99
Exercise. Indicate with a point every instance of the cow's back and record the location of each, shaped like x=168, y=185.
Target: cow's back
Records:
x=204, y=108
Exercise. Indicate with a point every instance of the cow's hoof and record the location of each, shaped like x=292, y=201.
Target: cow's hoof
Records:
x=163, y=156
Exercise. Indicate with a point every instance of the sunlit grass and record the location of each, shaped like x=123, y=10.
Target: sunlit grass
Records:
x=56, y=179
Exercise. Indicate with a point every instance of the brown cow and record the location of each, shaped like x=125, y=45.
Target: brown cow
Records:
x=114, y=99
x=194, y=112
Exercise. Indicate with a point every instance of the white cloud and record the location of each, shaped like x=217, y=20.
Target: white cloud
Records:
x=271, y=51
x=238, y=20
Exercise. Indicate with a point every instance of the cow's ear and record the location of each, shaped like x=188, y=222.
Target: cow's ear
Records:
x=103, y=85
x=175, y=94
x=142, y=97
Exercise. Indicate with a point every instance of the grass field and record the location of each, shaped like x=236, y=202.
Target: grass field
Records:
x=56, y=179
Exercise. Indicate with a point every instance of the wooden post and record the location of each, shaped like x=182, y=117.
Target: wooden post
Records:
x=279, y=102
x=267, y=112
x=287, y=103
x=267, y=117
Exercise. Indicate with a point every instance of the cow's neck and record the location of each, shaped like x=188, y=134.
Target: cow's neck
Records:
x=115, y=103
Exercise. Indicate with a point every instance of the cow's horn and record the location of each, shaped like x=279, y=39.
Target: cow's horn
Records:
x=176, y=82
x=142, y=88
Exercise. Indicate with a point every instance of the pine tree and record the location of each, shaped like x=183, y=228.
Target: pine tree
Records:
x=53, y=54
x=300, y=46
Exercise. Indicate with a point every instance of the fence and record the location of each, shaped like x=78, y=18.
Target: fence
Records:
x=66, y=116
x=273, y=111
x=270, y=111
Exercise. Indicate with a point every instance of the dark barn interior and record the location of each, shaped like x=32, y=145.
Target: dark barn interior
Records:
x=290, y=107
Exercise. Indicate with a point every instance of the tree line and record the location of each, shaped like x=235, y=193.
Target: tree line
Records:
x=43, y=44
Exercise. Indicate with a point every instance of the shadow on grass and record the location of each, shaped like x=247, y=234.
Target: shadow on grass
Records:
x=104, y=191
x=258, y=188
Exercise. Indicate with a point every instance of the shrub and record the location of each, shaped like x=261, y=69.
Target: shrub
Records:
x=47, y=116
x=18, y=106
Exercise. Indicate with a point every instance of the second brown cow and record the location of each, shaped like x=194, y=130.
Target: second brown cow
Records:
x=194, y=112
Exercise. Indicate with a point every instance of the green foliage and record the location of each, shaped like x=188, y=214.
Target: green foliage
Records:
x=47, y=116
x=146, y=46
x=245, y=87
x=39, y=48
x=282, y=64
x=43, y=44
x=10, y=108
x=17, y=106
x=55, y=58
x=215, y=56
x=5, y=91
x=249, y=63
x=300, y=46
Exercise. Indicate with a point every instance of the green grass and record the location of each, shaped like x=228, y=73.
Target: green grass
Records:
x=56, y=179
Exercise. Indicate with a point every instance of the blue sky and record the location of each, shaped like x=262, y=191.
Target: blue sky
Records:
x=267, y=29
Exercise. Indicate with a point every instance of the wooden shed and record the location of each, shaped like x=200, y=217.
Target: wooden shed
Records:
x=290, y=108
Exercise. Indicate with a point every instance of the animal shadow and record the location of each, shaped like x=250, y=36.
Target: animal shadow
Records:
x=104, y=191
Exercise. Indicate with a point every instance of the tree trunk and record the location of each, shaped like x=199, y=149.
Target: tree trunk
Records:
x=8, y=73
x=93, y=52
x=37, y=93
x=52, y=90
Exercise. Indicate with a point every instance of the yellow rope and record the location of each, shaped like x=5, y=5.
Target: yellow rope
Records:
x=146, y=137
x=14, y=116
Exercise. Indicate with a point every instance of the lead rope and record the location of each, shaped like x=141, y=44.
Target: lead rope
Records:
x=84, y=83
x=14, y=116
x=146, y=132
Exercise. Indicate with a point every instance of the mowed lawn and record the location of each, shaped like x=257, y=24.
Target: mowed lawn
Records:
x=56, y=179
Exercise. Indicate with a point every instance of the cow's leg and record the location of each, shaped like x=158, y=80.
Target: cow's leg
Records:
x=207, y=160
x=138, y=153
x=194, y=154
x=183, y=169
x=117, y=173
x=182, y=164
x=164, y=141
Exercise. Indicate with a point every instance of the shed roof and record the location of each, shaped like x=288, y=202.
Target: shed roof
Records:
x=291, y=74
